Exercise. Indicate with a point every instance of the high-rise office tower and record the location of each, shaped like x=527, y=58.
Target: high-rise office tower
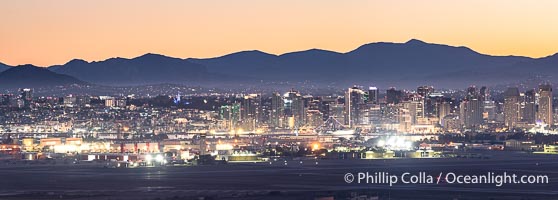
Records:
x=489, y=110
x=373, y=95
x=375, y=114
x=511, y=107
x=250, y=111
x=394, y=96
x=27, y=96
x=277, y=110
x=354, y=106
x=471, y=109
x=528, y=106
x=489, y=106
x=472, y=93
x=404, y=116
x=294, y=109
x=414, y=107
x=484, y=93
x=444, y=110
x=544, y=112
x=432, y=104
x=471, y=112
x=230, y=114
x=325, y=107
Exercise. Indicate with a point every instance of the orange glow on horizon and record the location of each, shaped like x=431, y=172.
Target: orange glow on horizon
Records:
x=46, y=33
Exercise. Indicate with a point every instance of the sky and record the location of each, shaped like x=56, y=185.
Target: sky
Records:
x=50, y=32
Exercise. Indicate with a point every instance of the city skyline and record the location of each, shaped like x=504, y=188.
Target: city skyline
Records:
x=251, y=99
x=46, y=33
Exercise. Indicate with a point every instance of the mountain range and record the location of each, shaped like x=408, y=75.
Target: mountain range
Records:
x=4, y=67
x=34, y=77
x=146, y=69
x=383, y=64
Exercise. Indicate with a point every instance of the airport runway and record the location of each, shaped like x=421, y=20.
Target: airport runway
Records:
x=295, y=180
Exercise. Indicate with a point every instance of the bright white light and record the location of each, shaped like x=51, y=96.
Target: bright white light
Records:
x=159, y=158
x=381, y=143
x=408, y=145
x=148, y=157
x=391, y=141
x=224, y=147
x=395, y=143
x=400, y=142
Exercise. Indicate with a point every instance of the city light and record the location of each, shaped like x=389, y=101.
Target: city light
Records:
x=395, y=143
x=159, y=158
x=148, y=157
x=214, y=99
x=315, y=146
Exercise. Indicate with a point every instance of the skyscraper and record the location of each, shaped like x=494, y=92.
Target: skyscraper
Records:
x=374, y=114
x=490, y=109
x=294, y=109
x=471, y=112
x=528, y=106
x=250, y=111
x=484, y=93
x=471, y=109
x=325, y=107
x=444, y=110
x=27, y=96
x=393, y=96
x=415, y=108
x=472, y=92
x=373, y=95
x=511, y=107
x=230, y=114
x=354, y=106
x=277, y=110
x=432, y=104
x=544, y=112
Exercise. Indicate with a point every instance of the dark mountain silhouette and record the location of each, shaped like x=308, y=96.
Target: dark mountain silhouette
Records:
x=415, y=62
x=4, y=67
x=32, y=76
x=146, y=69
x=385, y=64
x=547, y=64
x=419, y=62
x=239, y=63
x=420, y=58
